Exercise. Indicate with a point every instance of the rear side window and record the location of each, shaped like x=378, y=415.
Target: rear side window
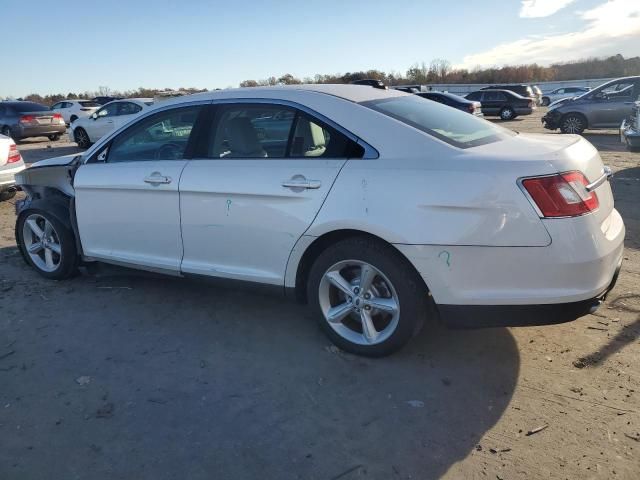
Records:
x=450, y=125
x=88, y=103
x=29, y=107
x=495, y=97
x=163, y=136
x=128, y=108
x=274, y=131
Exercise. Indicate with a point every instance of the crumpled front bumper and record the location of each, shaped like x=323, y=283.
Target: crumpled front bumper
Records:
x=629, y=135
x=551, y=120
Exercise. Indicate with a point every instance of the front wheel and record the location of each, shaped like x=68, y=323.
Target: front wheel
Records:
x=507, y=113
x=573, y=123
x=47, y=244
x=367, y=298
x=81, y=137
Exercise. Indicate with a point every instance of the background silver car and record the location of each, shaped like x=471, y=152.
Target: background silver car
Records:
x=603, y=107
x=562, y=93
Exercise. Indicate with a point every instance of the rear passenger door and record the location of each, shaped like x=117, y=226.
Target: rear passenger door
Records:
x=492, y=102
x=256, y=184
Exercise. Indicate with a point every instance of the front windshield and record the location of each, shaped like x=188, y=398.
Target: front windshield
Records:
x=450, y=125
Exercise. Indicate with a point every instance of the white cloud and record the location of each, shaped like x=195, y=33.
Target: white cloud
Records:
x=542, y=8
x=611, y=27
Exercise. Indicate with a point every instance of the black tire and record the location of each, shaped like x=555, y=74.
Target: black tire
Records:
x=68, y=259
x=409, y=287
x=573, y=123
x=54, y=138
x=545, y=101
x=73, y=119
x=81, y=137
x=507, y=113
x=7, y=195
x=6, y=131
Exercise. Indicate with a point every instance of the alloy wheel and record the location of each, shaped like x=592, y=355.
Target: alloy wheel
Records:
x=572, y=124
x=81, y=137
x=42, y=243
x=359, y=302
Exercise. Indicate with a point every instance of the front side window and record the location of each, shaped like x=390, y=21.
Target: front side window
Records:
x=57, y=105
x=618, y=91
x=128, y=108
x=450, y=125
x=163, y=136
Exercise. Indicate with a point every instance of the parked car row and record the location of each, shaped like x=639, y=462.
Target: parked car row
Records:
x=11, y=164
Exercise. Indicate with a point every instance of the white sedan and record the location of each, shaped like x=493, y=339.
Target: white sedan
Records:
x=11, y=163
x=71, y=110
x=108, y=118
x=379, y=208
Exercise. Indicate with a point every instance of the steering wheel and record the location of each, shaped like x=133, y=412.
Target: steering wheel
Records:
x=169, y=151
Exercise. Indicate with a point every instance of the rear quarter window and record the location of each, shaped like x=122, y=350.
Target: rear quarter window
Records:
x=450, y=125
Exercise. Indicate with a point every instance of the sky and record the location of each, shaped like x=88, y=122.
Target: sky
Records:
x=80, y=45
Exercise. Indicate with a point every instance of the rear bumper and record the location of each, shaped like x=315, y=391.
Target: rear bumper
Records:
x=22, y=131
x=482, y=316
x=523, y=110
x=488, y=286
x=8, y=175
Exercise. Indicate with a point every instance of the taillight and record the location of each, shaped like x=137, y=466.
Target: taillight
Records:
x=14, y=154
x=58, y=117
x=562, y=195
x=27, y=118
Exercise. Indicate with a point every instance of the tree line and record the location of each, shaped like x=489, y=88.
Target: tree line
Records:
x=436, y=71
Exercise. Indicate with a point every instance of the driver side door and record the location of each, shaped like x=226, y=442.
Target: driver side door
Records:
x=608, y=112
x=127, y=197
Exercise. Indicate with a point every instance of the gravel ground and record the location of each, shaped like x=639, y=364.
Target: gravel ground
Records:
x=119, y=375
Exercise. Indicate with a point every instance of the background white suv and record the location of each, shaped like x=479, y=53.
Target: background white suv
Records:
x=71, y=110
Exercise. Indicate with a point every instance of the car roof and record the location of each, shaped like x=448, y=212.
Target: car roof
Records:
x=353, y=93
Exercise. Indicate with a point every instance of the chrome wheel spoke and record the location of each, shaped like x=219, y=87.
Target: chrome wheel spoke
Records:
x=368, y=328
x=339, y=282
x=35, y=247
x=55, y=248
x=367, y=274
x=48, y=258
x=337, y=313
x=47, y=229
x=388, y=305
x=35, y=229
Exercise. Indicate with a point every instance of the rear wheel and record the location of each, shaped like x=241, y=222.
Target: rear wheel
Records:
x=545, y=101
x=54, y=138
x=81, y=137
x=47, y=244
x=573, y=123
x=507, y=113
x=367, y=298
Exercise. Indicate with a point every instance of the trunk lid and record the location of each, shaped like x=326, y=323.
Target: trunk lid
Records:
x=549, y=154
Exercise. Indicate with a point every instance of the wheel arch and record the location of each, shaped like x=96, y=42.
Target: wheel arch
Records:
x=311, y=251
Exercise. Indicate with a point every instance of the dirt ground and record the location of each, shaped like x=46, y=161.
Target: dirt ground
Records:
x=126, y=376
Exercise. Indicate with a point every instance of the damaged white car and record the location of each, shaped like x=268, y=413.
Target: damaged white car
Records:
x=379, y=208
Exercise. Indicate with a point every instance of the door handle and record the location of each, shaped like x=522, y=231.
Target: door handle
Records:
x=156, y=179
x=302, y=183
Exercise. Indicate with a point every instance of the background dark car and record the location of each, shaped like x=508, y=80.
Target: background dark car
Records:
x=522, y=90
x=103, y=100
x=371, y=82
x=502, y=103
x=20, y=120
x=461, y=103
